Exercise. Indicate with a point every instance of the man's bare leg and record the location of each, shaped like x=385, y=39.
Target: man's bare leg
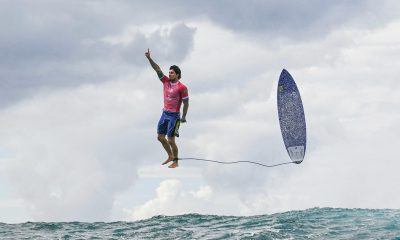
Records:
x=174, y=148
x=167, y=148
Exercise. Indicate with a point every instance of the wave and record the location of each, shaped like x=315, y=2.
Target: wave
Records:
x=314, y=223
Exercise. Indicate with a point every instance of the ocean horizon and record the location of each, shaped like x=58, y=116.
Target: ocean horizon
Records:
x=314, y=223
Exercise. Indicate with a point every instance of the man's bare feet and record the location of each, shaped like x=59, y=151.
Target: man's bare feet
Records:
x=168, y=160
x=174, y=163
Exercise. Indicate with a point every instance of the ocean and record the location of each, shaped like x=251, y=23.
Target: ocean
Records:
x=315, y=223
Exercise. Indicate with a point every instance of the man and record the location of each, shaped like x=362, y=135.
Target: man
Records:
x=174, y=94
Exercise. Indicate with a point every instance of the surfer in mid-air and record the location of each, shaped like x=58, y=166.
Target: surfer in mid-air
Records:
x=174, y=94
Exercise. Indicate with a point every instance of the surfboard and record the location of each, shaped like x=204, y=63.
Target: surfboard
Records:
x=291, y=117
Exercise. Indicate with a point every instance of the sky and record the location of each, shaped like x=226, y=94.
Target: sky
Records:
x=79, y=106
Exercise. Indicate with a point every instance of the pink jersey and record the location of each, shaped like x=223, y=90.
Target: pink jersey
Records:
x=174, y=93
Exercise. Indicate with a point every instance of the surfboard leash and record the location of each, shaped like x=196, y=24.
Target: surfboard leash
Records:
x=234, y=162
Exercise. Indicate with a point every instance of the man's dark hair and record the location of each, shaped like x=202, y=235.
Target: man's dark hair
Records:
x=177, y=70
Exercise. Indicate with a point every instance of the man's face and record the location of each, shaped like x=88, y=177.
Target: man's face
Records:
x=172, y=75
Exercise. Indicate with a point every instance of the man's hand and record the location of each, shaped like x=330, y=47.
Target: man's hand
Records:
x=153, y=64
x=183, y=120
x=147, y=54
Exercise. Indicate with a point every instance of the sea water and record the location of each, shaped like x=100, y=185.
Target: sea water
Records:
x=315, y=223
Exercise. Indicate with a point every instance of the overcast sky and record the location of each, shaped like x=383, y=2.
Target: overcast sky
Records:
x=79, y=105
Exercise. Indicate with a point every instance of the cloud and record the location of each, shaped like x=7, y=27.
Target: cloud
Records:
x=203, y=193
x=172, y=199
x=72, y=151
x=79, y=104
x=274, y=19
x=166, y=199
x=58, y=45
x=301, y=20
x=64, y=45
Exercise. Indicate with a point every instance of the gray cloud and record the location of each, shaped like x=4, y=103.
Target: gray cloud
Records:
x=53, y=44
x=297, y=21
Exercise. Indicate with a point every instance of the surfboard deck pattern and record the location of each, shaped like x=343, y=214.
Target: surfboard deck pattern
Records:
x=291, y=117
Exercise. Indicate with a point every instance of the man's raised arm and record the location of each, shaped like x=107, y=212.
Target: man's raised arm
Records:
x=153, y=64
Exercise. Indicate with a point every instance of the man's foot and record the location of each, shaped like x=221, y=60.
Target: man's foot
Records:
x=168, y=160
x=174, y=163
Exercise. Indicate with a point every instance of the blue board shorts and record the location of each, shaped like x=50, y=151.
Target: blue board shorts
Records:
x=169, y=124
